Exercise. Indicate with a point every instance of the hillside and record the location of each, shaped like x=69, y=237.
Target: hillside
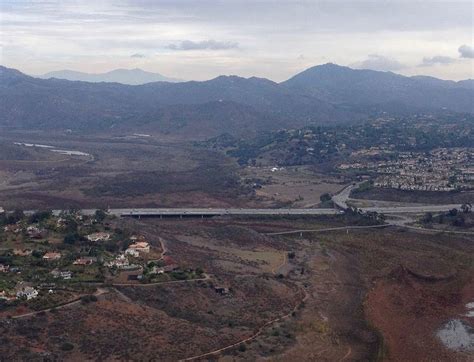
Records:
x=322, y=95
x=386, y=91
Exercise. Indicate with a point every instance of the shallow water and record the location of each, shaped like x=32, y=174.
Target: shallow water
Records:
x=32, y=145
x=457, y=335
x=71, y=153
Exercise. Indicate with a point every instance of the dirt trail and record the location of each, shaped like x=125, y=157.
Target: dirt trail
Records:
x=251, y=338
x=99, y=292
x=206, y=277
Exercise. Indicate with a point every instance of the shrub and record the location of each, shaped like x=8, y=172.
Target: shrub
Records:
x=85, y=299
x=66, y=346
x=242, y=347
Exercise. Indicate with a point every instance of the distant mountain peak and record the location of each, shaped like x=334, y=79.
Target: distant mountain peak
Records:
x=134, y=76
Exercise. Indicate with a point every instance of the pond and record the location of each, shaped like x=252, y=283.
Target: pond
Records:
x=457, y=335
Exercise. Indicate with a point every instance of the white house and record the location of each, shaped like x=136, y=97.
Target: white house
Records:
x=132, y=252
x=28, y=292
x=98, y=237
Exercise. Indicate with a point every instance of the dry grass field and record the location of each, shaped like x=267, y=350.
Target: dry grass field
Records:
x=111, y=171
x=297, y=186
x=115, y=172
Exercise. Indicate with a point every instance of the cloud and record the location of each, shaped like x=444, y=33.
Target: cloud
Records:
x=204, y=45
x=437, y=59
x=466, y=51
x=379, y=62
x=138, y=55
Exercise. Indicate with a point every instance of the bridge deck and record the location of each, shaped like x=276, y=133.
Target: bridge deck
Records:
x=138, y=212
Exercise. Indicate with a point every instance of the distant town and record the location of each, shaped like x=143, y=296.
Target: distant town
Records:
x=437, y=170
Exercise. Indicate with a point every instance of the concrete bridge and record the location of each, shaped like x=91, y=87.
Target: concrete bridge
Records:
x=210, y=212
x=202, y=212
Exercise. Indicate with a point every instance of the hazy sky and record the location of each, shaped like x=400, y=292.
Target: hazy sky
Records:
x=200, y=39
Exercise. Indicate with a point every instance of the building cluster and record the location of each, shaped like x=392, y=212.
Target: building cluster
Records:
x=438, y=170
x=138, y=247
x=32, y=243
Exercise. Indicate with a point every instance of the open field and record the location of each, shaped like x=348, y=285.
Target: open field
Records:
x=111, y=171
x=297, y=186
x=116, y=172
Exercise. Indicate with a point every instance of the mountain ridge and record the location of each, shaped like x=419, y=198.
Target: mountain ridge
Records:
x=327, y=94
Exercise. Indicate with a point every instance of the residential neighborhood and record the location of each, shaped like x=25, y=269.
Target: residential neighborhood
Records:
x=42, y=254
x=438, y=170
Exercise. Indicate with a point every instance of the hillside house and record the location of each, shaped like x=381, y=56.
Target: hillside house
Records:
x=222, y=290
x=12, y=229
x=65, y=275
x=34, y=232
x=95, y=237
x=27, y=292
x=52, y=256
x=120, y=262
x=22, y=252
x=140, y=246
x=85, y=260
x=132, y=252
x=4, y=295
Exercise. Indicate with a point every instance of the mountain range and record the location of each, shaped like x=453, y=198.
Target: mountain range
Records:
x=125, y=76
x=325, y=94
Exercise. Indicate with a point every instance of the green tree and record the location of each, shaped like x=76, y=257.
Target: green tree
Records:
x=71, y=238
x=100, y=215
x=325, y=197
x=427, y=218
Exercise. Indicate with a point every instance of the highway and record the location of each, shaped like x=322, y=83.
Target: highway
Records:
x=341, y=198
x=203, y=212
x=412, y=209
x=137, y=212
x=340, y=201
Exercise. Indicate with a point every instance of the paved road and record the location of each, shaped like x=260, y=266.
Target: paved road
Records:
x=265, y=212
x=211, y=212
x=340, y=199
x=412, y=209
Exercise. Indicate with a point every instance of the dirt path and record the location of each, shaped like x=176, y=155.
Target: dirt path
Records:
x=99, y=292
x=206, y=277
x=436, y=231
x=252, y=337
x=300, y=231
x=281, y=265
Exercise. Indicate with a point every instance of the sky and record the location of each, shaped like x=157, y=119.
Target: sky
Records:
x=201, y=39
